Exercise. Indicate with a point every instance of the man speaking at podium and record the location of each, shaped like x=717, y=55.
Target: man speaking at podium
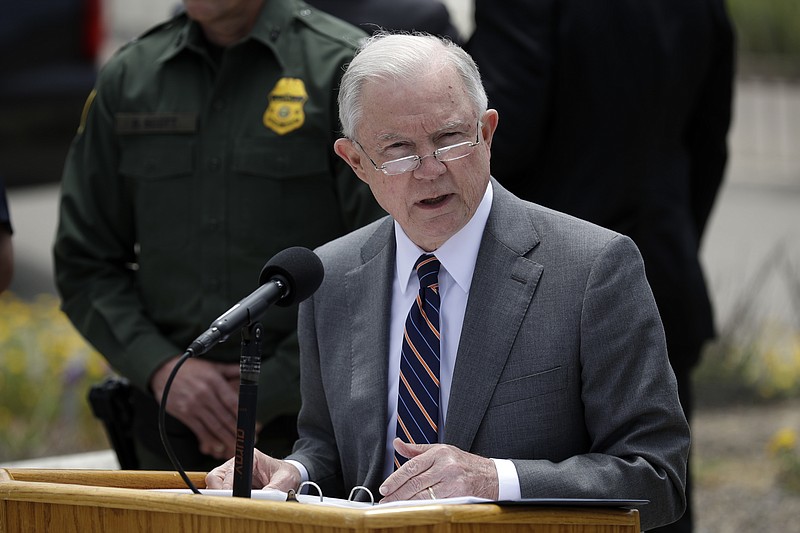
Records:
x=532, y=362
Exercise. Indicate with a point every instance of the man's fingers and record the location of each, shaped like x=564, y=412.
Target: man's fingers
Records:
x=409, y=450
x=214, y=425
x=229, y=371
x=414, y=476
x=444, y=469
x=203, y=398
x=284, y=479
x=220, y=476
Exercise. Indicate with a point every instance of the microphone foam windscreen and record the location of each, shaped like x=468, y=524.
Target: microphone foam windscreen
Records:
x=300, y=268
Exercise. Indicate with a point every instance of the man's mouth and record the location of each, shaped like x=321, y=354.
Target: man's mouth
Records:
x=434, y=201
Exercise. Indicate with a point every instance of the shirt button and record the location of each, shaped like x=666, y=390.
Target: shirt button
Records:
x=213, y=163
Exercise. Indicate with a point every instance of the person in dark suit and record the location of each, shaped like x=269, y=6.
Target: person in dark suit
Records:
x=6, y=245
x=551, y=371
x=617, y=113
x=429, y=16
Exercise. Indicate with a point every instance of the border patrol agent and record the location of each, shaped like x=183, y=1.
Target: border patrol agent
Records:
x=194, y=163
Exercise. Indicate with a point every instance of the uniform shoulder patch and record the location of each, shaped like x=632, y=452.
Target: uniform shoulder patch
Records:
x=87, y=105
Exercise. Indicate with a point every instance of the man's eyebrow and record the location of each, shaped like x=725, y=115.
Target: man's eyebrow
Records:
x=453, y=124
x=389, y=137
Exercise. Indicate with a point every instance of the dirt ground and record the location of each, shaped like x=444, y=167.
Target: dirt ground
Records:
x=736, y=490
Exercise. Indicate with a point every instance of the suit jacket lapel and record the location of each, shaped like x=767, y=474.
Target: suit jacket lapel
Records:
x=501, y=292
x=369, y=303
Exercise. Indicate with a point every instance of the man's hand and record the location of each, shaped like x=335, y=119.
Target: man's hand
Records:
x=446, y=470
x=268, y=472
x=203, y=396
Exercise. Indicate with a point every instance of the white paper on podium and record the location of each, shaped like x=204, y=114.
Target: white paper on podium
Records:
x=280, y=496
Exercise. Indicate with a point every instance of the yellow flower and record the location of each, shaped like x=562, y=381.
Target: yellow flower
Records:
x=38, y=346
x=784, y=440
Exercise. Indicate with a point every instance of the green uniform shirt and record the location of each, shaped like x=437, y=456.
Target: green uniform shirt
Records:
x=191, y=168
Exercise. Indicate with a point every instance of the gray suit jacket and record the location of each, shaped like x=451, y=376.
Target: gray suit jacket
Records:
x=561, y=367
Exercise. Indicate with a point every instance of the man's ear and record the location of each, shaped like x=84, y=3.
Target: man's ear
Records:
x=346, y=149
x=489, y=125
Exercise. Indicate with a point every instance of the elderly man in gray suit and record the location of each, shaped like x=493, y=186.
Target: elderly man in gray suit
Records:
x=534, y=335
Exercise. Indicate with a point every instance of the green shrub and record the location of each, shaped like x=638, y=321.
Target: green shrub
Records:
x=784, y=449
x=762, y=367
x=767, y=27
x=755, y=358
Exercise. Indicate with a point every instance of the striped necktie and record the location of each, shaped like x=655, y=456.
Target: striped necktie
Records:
x=418, y=398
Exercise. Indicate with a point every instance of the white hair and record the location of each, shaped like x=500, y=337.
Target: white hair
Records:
x=389, y=58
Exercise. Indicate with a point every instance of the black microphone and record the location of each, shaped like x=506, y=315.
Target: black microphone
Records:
x=291, y=276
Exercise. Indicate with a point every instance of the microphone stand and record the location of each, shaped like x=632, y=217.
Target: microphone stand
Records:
x=249, y=369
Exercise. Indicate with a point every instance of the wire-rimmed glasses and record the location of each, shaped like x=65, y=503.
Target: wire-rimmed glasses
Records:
x=413, y=162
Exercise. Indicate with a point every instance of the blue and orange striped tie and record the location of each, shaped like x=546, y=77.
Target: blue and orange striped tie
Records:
x=418, y=398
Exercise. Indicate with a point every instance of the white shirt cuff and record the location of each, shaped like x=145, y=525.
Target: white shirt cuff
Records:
x=507, y=480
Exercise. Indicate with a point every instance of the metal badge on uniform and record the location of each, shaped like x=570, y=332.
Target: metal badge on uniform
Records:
x=149, y=123
x=285, y=110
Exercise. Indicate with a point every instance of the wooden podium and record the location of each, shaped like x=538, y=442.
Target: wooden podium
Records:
x=116, y=502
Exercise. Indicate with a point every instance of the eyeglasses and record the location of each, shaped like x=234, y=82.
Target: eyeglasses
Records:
x=413, y=162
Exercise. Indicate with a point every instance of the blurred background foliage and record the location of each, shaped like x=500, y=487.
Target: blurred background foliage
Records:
x=755, y=357
x=768, y=36
x=46, y=369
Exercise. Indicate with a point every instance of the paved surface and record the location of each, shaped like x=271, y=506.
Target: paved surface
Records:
x=752, y=249
x=100, y=460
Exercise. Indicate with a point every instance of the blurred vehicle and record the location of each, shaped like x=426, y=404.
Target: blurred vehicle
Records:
x=47, y=68
x=49, y=54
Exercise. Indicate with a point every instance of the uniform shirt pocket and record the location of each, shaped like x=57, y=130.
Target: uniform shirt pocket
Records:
x=284, y=188
x=159, y=172
x=281, y=158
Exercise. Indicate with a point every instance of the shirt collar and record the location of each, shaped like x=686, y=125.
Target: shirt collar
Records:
x=274, y=21
x=457, y=255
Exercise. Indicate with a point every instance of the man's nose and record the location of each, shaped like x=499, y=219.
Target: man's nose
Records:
x=429, y=167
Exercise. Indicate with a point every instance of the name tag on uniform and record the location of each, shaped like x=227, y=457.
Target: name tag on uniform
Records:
x=144, y=123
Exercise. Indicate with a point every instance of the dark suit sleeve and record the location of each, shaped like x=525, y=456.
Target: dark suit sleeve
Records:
x=638, y=436
x=708, y=126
